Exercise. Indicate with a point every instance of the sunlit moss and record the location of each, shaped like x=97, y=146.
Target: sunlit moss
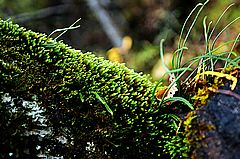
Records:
x=86, y=97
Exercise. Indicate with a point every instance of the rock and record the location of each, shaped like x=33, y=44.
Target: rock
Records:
x=218, y=127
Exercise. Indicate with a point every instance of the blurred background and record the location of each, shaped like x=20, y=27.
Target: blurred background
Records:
x=123, y=30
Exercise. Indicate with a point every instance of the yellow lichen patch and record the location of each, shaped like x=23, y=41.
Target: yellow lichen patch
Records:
x=207, y=82
x=202, y=95
x=219, y=74
x=187, y=122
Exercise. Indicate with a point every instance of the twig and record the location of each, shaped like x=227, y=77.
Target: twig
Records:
x=228, y=92
x=106, y=22
x=41, y=13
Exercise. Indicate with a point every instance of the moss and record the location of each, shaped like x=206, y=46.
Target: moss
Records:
x=74, y=88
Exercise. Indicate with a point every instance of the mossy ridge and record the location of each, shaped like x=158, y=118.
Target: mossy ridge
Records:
x=36, y=54
x=64, y=81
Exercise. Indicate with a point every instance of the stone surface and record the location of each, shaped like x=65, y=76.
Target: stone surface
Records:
x=222, y=117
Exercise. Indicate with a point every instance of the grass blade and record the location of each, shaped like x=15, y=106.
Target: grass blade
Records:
x=230, y=53
x=65, y=29
x=220, y=17
x=220, y=33
x=103, y=102
x=186, y=102
x=188, y=33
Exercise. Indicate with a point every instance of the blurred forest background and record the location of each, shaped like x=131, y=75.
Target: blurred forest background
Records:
x=105, y=23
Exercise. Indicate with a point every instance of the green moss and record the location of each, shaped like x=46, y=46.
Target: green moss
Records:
x=74, y=88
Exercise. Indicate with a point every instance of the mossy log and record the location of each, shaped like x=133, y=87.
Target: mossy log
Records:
x=86, y=98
